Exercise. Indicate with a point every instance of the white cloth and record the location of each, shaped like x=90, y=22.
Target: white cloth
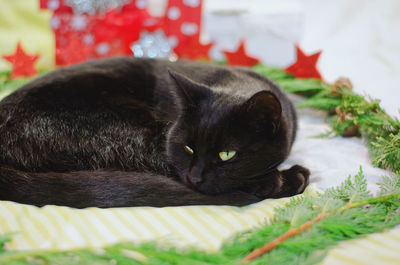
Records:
x=359, y=39
x=330, y=160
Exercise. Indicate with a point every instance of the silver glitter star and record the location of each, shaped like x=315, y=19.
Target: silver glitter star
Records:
x=94, y=6
x=153, y=45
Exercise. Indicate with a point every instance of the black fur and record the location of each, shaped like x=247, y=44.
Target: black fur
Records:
x=112, y=132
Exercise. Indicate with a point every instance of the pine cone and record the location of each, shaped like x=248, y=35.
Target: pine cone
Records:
x=341, y=85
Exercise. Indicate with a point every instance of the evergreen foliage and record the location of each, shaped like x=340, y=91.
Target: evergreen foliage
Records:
x=8, y=86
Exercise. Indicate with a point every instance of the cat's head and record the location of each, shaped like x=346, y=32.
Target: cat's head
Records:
x=221, y=142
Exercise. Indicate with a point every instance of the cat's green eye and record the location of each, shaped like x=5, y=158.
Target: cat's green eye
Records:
x=225, y=156
x=188, y=150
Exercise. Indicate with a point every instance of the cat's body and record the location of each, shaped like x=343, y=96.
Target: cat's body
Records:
x=113, y=133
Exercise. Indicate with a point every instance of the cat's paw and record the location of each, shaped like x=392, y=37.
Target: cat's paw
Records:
x=268, y=187
x=295, y=180
x=281, y=183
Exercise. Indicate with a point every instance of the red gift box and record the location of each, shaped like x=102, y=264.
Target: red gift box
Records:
x=183, y=22
x=89, y=31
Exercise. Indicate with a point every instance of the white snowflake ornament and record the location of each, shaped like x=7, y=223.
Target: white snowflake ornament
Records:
x=153, y=45
x=92, y=7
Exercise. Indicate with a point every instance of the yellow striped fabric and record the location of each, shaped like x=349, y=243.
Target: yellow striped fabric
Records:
x=61, y=228
x=375, y=249
x=203, y=227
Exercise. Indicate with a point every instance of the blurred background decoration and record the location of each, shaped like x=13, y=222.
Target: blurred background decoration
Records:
x=71, y=31
x=111, y=28
x=359, y=38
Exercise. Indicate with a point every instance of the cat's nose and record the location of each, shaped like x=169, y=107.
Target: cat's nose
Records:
x=196, y=174
x=195, y=180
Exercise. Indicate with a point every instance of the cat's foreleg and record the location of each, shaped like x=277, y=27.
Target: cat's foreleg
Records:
x=278, y=184
x=160, y=191
x=106, y=188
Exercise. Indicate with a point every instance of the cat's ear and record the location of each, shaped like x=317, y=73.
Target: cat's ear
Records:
x=189, y=91
x=263, y=110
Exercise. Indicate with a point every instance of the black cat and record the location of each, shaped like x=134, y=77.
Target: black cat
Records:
x=142, y=132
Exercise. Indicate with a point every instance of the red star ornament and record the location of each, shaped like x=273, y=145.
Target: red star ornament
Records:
x=194, y=50
x=305, y=66
x=23, y=64
x=239, y=57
